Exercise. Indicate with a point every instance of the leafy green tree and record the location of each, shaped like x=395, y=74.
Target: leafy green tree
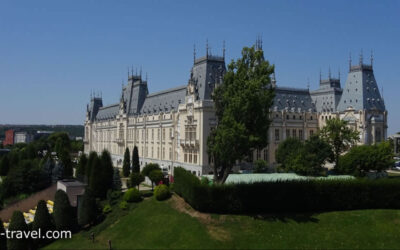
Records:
x=135, y=179
x=290, y=146
x=339, y=136
x=43, y=221
x=150, y=167
x=260, y=166
x=135, y=160
x=361, y=159
x=4, y=165
x=87, y=209
x=126, y=165
x=3, y=238
x=117, y=185
x=59, y=141
x=65, y=159
x=63, y=212
x=18, y=224
x=80, y=170
x=304, y=158
x=155, y=176
x=242, y=106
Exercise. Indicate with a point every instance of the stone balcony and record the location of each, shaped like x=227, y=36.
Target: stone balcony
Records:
x=189, y=142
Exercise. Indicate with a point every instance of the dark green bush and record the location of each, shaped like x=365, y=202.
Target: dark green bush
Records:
x=123, y=205
x=288, y=196
x=132, y=195
x=106, y=209
x=161, y=192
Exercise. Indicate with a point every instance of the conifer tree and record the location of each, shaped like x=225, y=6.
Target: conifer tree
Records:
x=18, y=224
x=43, y=221
x=80, y=170
x=64, y=217
x=117, y=185
x=135, y=160
x=87, y=210
x=126, y=166
x=90, y=163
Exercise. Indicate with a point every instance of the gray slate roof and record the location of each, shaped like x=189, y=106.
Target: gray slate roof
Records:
x=292, y=99
x=108, y=112
x=164, y=101
x=361, y=90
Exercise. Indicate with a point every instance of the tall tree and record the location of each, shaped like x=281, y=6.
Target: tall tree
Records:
x=18, y=224
x=80, y=170
x=117, y=185
x=155, y=176
x=135, y=179
x=43, y=221
x=64, y=216
x=4, y=165
x=90, y=164
x=135, y=160
x=65, y=159
x=126, y=165
x=87, y=209
x=101, y=176
x=242, y=106
x=339, y=136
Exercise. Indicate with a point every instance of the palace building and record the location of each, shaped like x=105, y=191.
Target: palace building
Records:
x=171, y=127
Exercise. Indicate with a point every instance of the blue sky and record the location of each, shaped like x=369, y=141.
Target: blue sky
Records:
x=53, y=53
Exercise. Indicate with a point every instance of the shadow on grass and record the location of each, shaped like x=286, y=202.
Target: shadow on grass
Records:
x=299, y=218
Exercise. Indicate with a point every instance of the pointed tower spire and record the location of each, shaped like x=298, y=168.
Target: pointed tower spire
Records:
x=320, y=76
x=329, y=73
x=223, y=49
x=132, y=70
x=146, y=77
x=140, y=71
x=339, y=74
x=372, y=58
x=207, y=48
x=194, y=53
x=308, y=83
x=349, y=61
x=128, y=72
x=361, y=58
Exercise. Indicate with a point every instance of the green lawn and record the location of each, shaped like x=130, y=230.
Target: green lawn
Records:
x=152, y=224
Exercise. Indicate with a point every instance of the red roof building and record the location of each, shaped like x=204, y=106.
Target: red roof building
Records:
x=9, y=139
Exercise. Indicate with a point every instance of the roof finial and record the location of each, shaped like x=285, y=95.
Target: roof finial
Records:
x=361, y=58
x=320, y=76
x=329, y=73
x=372, y=58
x=223, y=49
x=339, y=74
x=146, y=77
x=128, y=72
x=308, y=83
x=207, y=48
x=132, y=70
x=349, y=61
x=194, y=53
x=140, y=71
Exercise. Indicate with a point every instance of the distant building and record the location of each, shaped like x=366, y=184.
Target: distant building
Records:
x=9, y=139
x=22, y=137
x=42, y=133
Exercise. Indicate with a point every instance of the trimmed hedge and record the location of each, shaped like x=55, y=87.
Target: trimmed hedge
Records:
x=132, y=195
x=288, y=196
x=161, y=192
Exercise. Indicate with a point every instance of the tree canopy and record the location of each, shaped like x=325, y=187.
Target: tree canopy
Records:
x=242, y=106
x=339, y=136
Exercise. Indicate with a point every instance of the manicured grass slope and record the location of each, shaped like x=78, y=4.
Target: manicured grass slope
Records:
x=153, y=224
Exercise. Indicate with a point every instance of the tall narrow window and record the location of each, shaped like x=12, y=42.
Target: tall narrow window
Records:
x=294, y=133
x=276, y=134
x=300, y=134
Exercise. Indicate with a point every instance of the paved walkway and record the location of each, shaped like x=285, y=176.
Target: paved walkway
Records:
x=28, y=203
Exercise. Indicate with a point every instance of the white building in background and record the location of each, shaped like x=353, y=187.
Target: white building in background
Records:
x=171, y=127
